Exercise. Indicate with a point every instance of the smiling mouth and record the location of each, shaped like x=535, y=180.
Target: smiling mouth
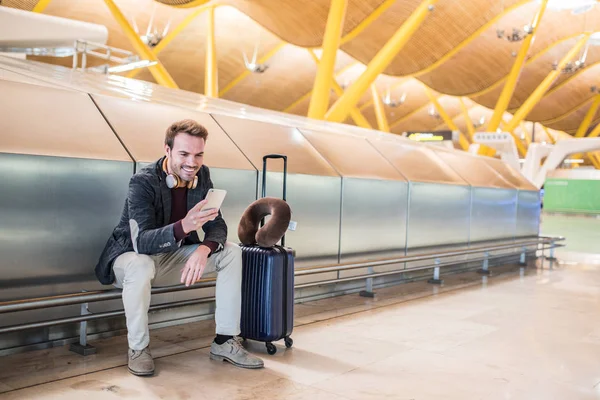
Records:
x=189, y=170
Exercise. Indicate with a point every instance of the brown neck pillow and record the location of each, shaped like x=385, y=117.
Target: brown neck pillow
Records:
x=249, y=231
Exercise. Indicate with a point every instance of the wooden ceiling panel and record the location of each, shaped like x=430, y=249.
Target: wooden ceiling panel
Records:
x=483, y=62
x=567, y=97
x=302, y=23
x=26, y=5
x=571, y=122
x=421, y=118
x=476, y=68
x=277, y=87
x=342, y=60
x=301, y=108
x=557, y=25
x=447, y=26
x=537, y=71
x=531, y=76
x=232, y=46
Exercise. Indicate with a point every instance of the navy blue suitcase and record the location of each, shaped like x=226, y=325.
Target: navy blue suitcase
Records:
x=268, y=287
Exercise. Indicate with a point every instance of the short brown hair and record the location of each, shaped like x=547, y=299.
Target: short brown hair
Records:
x=188, y=126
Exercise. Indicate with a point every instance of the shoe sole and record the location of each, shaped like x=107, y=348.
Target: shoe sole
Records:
x=141, y=373
x=221, y=358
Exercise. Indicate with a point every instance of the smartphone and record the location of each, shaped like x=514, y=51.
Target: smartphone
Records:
x=214, y=199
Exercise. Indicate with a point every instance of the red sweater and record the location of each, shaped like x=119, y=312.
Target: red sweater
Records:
x=179, y=211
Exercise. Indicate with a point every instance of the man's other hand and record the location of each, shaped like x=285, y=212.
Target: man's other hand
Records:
x=194, y=267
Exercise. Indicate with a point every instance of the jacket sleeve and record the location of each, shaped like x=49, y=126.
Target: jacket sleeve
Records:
x=147, y=236
x=215, y=230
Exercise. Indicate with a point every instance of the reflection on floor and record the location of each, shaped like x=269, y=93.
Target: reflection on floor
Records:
x=523, y=334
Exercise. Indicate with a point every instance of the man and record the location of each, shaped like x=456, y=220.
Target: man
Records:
x=156, y=244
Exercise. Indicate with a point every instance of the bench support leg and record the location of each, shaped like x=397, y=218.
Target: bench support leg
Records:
x=551, y=257
x=369, y=289
x=485, y=269
x=82, y=347
x=523, y=259
x=436, y=274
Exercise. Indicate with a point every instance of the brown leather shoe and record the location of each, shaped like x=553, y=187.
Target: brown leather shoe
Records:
x=141, y=362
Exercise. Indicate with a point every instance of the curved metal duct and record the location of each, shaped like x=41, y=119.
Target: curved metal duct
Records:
x=40, y=34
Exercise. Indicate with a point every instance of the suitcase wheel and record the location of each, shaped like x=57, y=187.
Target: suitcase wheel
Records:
x=271, y=349
x=289, y=342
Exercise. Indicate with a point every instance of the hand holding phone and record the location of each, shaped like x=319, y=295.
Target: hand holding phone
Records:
x=204, y=211
x=214, y=199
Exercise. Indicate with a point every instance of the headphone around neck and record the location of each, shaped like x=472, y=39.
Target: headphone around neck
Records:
x=174, y=181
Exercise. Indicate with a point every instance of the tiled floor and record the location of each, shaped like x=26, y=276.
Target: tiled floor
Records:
x=530, y=336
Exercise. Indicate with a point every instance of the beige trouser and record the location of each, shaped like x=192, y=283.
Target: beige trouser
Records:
x=137, y=273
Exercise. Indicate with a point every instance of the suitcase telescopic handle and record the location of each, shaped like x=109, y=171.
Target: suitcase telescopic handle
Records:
x=264, y=181
x=264, y=177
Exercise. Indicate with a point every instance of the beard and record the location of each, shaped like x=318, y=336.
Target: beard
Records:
x=185, y=172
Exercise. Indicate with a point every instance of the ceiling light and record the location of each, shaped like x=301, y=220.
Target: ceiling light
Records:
x=131, y=66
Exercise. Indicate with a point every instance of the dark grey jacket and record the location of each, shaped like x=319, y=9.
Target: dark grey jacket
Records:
x=144, y=226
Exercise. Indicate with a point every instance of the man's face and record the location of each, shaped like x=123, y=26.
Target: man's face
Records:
x=186, y=156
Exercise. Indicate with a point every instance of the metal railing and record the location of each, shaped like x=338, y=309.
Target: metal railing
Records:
x=126, y=61
x=84, y=298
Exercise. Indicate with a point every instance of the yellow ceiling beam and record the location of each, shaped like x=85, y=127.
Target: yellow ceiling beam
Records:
x=454, y=118
x=379, y=63
x=382, y=122
x=319, y=101
x=595, y=159
x=531, y=60
x=470, y=127
x=515, y=72
x=400, y=82
x=572, y=110
x=589, y=117
x=525, y=133
x=595, y=132
x=158, y=71
x=520, y=146
x=485, y=150
x=566, y=114
x=539, y=92
x=548, y=135
x=464, y=143
x=356, y=115
x=211, y=71
x=41, y=5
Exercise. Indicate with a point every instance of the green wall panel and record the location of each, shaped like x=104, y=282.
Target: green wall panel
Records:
x=572, y=195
